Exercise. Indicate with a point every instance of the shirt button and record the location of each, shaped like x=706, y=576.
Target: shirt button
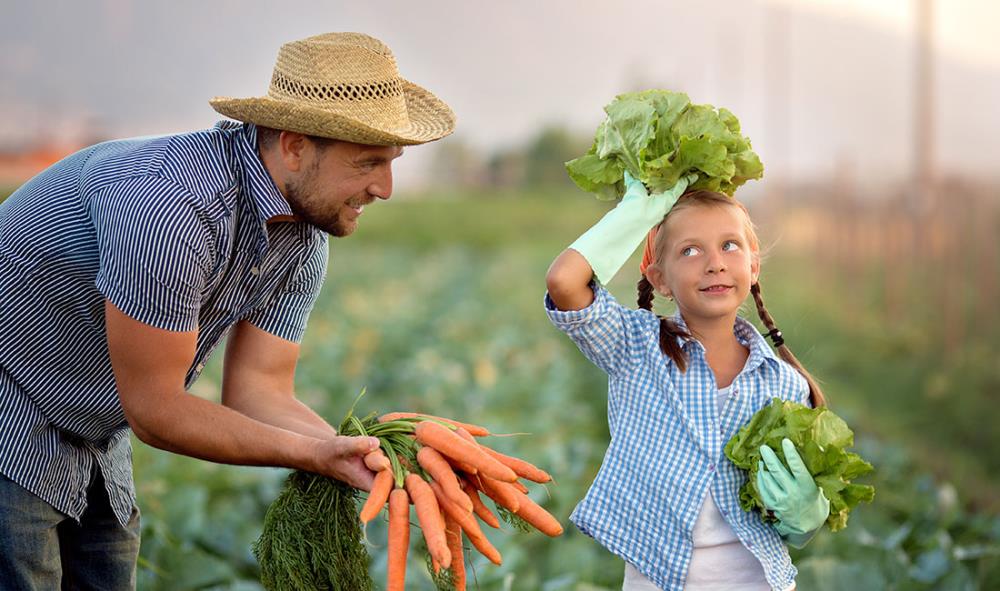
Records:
x=255, y=270
x=199, y=367
x=711, y=467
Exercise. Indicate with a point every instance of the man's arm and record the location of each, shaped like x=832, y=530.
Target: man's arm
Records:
x=258, y=381
x=150, y=365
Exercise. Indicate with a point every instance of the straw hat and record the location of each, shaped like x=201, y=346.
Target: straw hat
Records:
x=343, y=86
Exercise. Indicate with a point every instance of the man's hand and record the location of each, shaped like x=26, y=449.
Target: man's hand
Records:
x=347, y=459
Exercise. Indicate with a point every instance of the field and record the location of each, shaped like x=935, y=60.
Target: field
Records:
x=435, y=305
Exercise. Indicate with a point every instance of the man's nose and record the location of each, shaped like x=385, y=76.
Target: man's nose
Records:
x=382, y=187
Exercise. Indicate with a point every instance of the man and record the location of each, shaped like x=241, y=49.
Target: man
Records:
x=124, y=265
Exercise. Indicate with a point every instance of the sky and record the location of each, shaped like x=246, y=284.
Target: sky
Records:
x=819, y=85
x=964, y=28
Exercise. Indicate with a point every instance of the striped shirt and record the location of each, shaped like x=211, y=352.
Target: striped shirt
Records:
x=667, y=437
x=172, y=230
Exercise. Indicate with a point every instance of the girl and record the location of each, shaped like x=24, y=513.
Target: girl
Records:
x=666, y=498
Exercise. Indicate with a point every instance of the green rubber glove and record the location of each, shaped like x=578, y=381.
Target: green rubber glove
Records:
x=613, y=239
x=800, y=505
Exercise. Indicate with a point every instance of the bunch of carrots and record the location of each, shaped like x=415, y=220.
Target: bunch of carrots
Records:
x=438, y=465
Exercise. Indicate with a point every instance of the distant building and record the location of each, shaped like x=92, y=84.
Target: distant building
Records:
x=19, y=165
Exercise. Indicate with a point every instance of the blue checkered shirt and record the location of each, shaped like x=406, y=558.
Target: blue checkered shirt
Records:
x=667, y=438
x=172, y=230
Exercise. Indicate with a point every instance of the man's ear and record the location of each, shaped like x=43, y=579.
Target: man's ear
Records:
x=657, y=279
x=292, y=146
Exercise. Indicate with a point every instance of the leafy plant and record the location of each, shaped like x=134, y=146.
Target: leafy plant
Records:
x=821, y=438
x=312, y=538
x=658, y=136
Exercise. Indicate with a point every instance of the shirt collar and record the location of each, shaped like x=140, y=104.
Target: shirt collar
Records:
x=745, y=333
x=267, y=200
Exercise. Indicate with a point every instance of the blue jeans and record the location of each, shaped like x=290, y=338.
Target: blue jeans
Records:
x=43, y=549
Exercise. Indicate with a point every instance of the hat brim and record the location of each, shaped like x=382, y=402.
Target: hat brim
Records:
x=429, y=119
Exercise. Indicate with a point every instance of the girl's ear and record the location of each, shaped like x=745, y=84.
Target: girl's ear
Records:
x=754, y=267
x=656, y=278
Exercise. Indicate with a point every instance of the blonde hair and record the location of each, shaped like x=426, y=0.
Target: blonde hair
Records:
x=669, y=330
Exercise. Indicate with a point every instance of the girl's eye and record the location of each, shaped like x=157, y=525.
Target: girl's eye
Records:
x=689, y=251
x=735, y=244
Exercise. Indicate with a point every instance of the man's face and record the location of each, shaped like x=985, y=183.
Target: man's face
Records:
x=335, y=183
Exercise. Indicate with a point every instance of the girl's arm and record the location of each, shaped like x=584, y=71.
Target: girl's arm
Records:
x=568, y=281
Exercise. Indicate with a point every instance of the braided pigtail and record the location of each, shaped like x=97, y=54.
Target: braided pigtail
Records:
x=669, y=331
x=815, y=393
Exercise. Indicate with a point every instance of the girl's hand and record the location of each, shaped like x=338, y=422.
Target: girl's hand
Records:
x=613, y=239
x=799, y=504
x=604, y=248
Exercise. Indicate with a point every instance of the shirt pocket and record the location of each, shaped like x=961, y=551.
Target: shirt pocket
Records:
x=236, y=284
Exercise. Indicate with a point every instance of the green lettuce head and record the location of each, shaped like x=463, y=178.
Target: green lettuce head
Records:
x=659, y=137
x=821, y=438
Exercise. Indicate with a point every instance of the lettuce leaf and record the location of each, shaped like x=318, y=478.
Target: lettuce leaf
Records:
x=659, y=136
x=820, y=437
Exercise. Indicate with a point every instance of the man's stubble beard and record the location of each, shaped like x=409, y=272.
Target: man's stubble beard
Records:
x=301, y=197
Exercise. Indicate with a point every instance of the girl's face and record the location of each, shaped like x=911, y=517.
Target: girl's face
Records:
x=707, y=263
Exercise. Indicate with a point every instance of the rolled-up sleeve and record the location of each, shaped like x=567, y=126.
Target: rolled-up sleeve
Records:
x=602, y=331
x=155, y=251
x=286, y=313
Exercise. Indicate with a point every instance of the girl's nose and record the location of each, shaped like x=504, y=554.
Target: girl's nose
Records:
x=716, y=264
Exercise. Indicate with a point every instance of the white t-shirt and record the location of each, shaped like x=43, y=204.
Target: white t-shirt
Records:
x=719, y=562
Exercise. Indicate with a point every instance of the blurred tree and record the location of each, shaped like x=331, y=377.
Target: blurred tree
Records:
x=539, y=161
x=506, y=168
x=546, y=154
x=457, y=163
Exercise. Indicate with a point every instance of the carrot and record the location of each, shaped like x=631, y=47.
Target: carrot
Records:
x=469, y=525
x=399, y=539
x=541, y=519
x=460, y=431
x=437, y=566
x=520, y=467
x=479, y=507
x=378, y=496
x=458, y=466
x=464, y=434
x=439, y=469
x=453, y=532
x=448, y=443
x=520, y=487
x=477, y=430
x=503, y=493
x=429, y=516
